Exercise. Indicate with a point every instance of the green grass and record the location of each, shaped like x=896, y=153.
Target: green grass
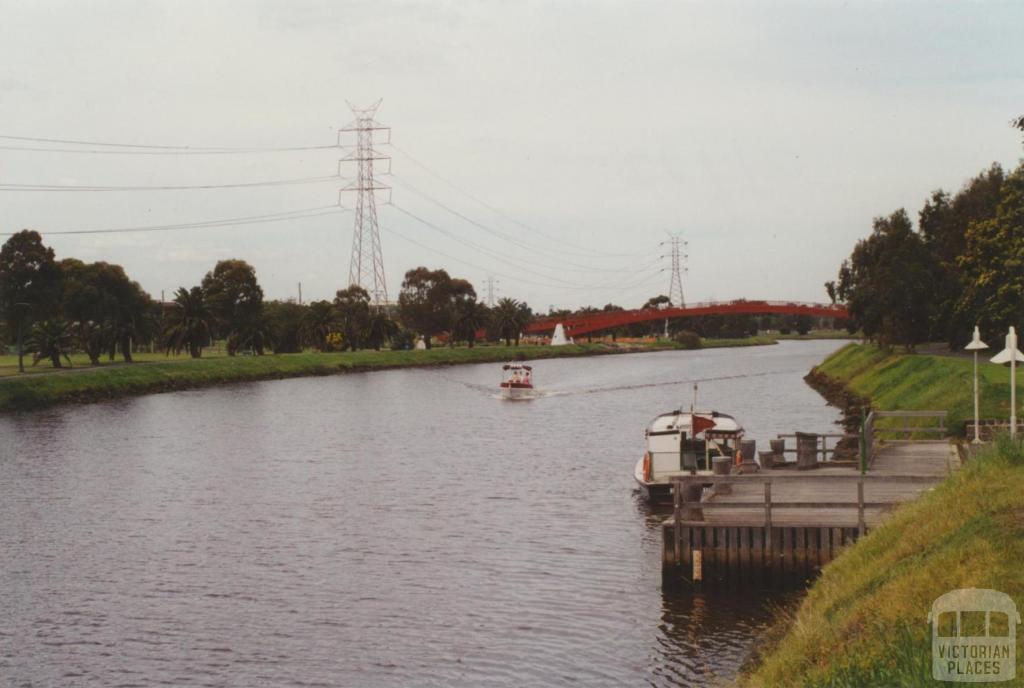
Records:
x=758, y=340
x=9, y=364
x=864, y=622
x=912, y=381
x=155, y=373
x=42, y=385
x=817, y=334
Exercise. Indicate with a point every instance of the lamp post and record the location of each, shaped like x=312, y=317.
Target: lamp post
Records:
x=1011, y=355
x=976, y=345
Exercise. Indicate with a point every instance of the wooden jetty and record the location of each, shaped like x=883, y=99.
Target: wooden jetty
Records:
x=783, y=525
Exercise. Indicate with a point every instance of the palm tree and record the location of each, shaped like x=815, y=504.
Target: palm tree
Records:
x=318, y=322
x=190, y=322
x=256, y=334
x=51, y=339
x=380, y=328
x=508, y=319
x=468, y=317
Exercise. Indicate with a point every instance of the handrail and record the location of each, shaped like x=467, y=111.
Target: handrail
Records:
x=809, y=476
x=861, y=504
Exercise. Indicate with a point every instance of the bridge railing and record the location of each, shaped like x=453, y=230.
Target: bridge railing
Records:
x=582, y=322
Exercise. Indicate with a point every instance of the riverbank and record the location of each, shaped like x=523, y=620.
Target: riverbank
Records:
x=859, y=375
x=82, y=385
x=864, y=621
x=154, y=373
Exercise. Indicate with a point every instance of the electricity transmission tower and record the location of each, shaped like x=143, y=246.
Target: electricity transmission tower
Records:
x=679, y=259
x=491, y=290
x=366, y=268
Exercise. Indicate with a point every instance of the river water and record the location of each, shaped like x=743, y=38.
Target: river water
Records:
x=399, y=528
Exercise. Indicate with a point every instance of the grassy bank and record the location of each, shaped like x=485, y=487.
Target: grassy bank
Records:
x=903, y=381
x=82, y=384
x=864, y=622
x=44, y=386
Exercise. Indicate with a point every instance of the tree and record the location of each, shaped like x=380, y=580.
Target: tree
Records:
x=52, y=339
x=352, y=306
x=380, y=328
x=944, y=222
x=887, y=283
x=285, y=321
x=318, y=322
x=109, y=310
x=29, y=284
x=468, y=317
x=190, y=322
x=993, y=264
x=508, y=319
x=422, y=301
x=234, y=296
x=462, y=317
x=255, y=333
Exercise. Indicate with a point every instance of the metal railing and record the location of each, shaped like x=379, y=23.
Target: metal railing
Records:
x=681, y=506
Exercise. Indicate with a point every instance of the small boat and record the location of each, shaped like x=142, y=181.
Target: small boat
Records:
x=683, y=443
x=517, y=381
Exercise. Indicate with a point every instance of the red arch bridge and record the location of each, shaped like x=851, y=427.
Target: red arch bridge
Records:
x=584, y=323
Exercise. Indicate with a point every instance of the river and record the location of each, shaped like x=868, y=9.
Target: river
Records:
x=396, y=528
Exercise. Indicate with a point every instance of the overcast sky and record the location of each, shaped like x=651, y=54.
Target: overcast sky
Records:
x=768, y=134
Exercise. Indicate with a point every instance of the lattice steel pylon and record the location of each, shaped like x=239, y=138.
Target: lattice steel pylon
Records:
x=490, y=290
x=366, y=268
x=679, y=258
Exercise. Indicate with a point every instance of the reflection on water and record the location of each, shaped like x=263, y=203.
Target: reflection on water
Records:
x=393, y=528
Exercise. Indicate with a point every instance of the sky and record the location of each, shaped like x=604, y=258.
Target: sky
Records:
x=550, y=145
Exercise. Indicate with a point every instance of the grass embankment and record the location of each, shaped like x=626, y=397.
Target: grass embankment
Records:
x=109, y=381
x=919, y=382
x=864, y=621
x=42, y=385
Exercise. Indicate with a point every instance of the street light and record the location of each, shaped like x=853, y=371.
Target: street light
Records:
x=976, y=345
x=1011, y=355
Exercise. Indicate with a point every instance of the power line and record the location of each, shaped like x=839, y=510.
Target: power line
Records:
x=563, y=283
x=496, y=211
x=226, y=222
x=242, y=185
x=576, y=267
x=165, y=152
x=155, y=147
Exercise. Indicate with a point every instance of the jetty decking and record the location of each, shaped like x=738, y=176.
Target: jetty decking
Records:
x=785, y=524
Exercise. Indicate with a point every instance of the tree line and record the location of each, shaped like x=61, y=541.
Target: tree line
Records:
x=962, y=265
x=52, y=308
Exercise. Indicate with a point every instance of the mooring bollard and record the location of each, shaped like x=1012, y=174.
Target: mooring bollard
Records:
x=766, y=459
x=721, y=465
x=747, y=449
x=806, y=450
x=778, y=449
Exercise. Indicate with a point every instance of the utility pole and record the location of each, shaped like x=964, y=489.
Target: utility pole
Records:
x=491, y=290
x=366, y=268
x=300, y=293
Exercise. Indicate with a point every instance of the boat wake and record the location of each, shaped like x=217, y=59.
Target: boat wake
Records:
x=666, y=383
x=543, y=394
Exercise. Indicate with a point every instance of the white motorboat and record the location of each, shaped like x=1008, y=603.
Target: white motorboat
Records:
x=517, y=381
x=683, y=443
